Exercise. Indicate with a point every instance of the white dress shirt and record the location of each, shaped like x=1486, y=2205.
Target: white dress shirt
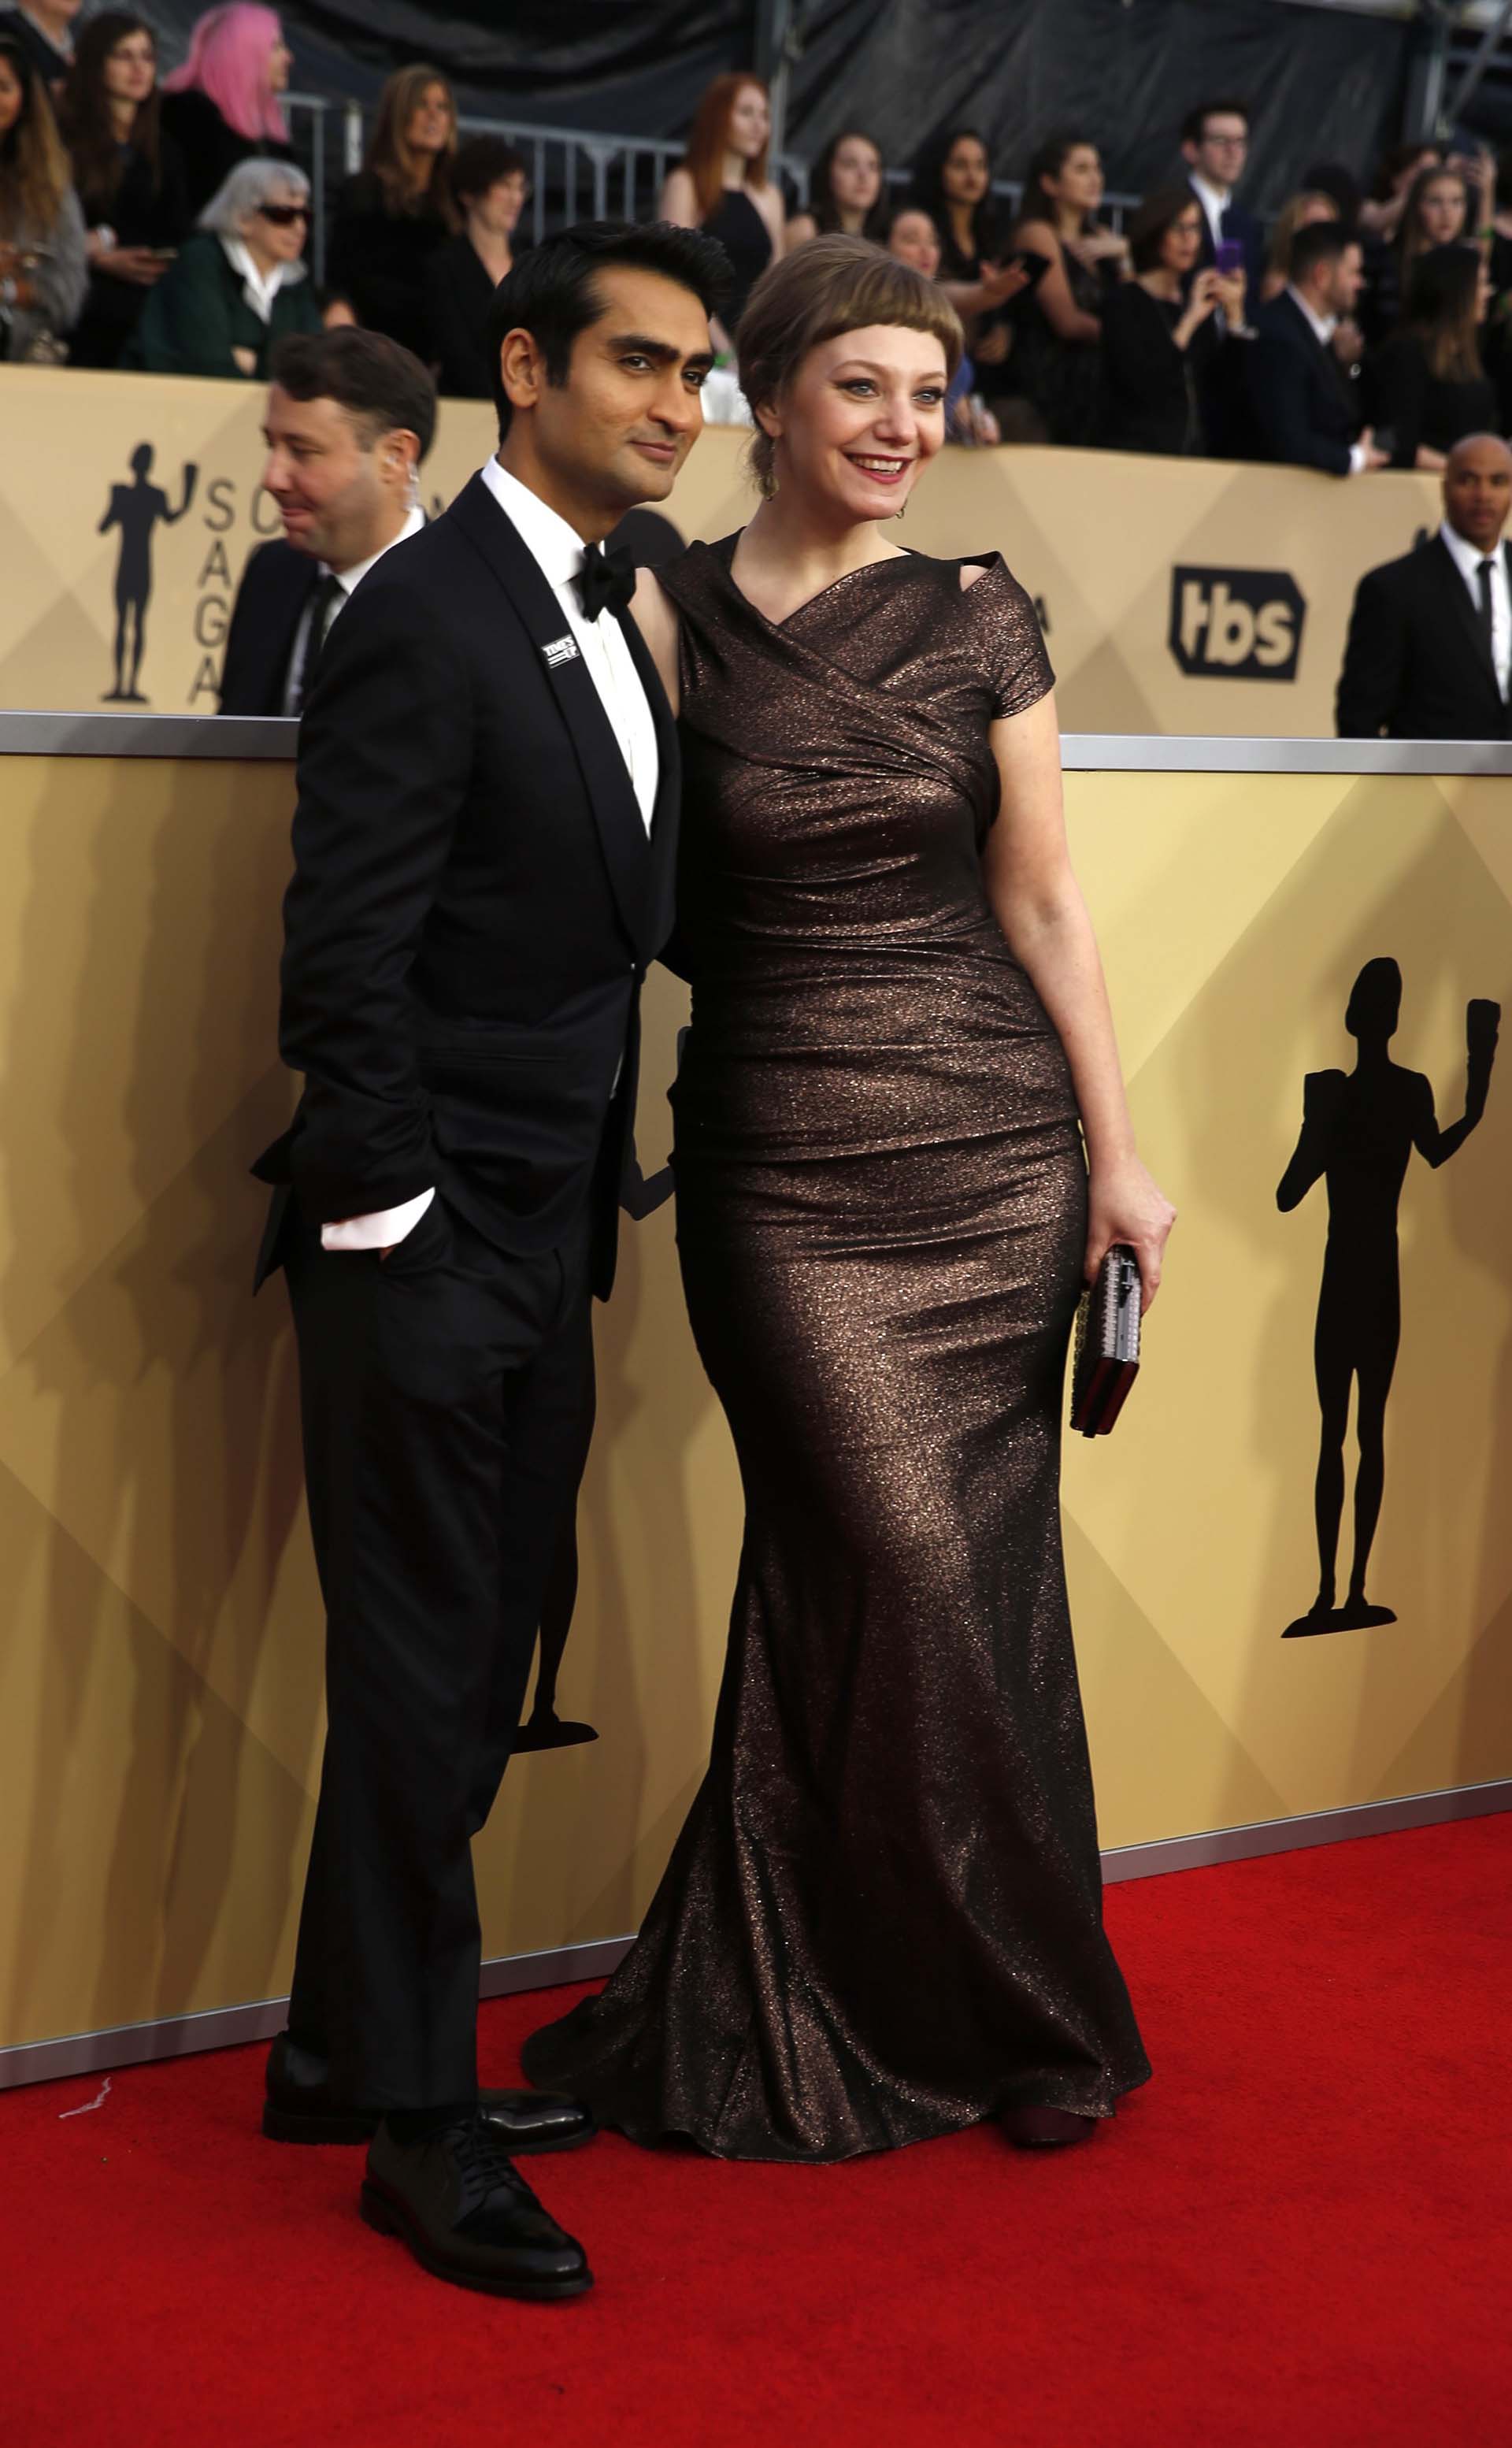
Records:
x=259, y=289
x=557, y=550
x=1323, y=328
x=1468, y=559
x=347, y=579
x=1213, y=201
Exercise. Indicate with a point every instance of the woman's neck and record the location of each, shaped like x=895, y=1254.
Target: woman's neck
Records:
x=1067, y=220
x=791, y=540
x=122, y=113
x=265, y=263
x=962, y=225
x=737, y=169
x=490, y=249
x=853, y=219
x=1162, y=281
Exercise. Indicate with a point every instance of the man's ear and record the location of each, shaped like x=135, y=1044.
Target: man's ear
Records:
x=522, y=368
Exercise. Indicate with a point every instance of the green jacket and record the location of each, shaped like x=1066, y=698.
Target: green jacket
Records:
x=198, y=313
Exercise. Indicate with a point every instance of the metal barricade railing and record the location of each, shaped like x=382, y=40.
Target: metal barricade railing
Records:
x=575, y=173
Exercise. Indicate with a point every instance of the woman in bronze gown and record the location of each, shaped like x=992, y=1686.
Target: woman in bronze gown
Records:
x=882, y=1918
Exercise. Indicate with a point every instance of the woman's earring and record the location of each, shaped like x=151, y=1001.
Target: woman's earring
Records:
x=903, y=513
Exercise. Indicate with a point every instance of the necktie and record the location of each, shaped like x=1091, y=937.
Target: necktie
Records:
x=1483, y=574
x=322, y=603
x=605, y=581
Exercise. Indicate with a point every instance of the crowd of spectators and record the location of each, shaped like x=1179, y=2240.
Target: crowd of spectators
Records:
x=166, y=226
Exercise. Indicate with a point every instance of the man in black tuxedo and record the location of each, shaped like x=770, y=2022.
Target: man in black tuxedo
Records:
x=1430, y=649
x=1299, y=395
x=483, y=858
x=350, y=418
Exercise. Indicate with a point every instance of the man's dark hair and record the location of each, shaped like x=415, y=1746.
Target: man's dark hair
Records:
x=1194, y=124
x=482, y=162
x=1317, y=243
x=384, y=388
x=553, y=293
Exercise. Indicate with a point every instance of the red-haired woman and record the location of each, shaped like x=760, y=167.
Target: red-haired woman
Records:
x=721, y=186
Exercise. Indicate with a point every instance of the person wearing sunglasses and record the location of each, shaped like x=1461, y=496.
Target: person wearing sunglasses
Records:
x=240, y=284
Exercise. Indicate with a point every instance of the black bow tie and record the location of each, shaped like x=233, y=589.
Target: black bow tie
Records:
x=605, y=581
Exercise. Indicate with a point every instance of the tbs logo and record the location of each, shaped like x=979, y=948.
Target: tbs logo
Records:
x=1237, y=625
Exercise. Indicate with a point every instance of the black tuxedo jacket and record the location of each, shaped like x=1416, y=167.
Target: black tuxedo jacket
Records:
x=474, y=902
x=1300, y=401
x=1417, y=665
x=275, y=585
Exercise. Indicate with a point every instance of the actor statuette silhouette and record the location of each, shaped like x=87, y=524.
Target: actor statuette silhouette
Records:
x=1359, y=1129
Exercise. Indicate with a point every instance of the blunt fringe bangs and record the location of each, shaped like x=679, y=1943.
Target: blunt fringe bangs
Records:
x=832, y=284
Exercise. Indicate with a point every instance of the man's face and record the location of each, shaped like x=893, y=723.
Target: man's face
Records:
x=340, y=496
x=1478, y=491
x=619, y=428
x=1219, y=153
x=1346, y=278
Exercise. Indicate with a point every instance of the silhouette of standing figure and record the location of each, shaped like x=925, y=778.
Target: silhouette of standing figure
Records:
x=1359, y=1129
x=136, y=509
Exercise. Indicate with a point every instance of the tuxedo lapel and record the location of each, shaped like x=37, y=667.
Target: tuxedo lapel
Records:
x=606, y=775
x=666, y=811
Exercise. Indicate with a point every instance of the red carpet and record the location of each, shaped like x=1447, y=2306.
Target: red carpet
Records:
x=1298, y=2236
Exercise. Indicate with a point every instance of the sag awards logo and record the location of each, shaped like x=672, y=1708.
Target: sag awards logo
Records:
x=1237, y=625
x=136, y=511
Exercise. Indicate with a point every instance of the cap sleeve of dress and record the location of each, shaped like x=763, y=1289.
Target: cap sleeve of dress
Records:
x=1010, y=641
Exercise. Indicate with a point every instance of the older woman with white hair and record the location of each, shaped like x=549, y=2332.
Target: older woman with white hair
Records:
x=239, y=283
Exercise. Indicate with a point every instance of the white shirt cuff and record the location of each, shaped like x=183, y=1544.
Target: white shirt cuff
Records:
x=1356, y=458
x=378, y=1231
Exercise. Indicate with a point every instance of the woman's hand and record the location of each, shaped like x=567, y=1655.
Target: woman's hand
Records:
x=138, y=264
x=1207, y=290
x=1123, y=1204
x=1000, y=281
x=1097, y=247
x=244, y=360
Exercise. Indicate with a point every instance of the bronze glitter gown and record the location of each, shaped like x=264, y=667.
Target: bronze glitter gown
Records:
x=882, y=1918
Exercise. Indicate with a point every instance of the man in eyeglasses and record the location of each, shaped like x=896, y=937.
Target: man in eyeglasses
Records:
x=350, y=417
x=240, y=284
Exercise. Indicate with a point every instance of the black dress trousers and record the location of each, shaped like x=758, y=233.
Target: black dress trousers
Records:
x=447, y=1396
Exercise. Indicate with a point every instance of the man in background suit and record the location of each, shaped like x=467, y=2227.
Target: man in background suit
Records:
x=1429, y=650
x=1299, y=396
x=485, y=849
x=350, y=418
x=1215, y=146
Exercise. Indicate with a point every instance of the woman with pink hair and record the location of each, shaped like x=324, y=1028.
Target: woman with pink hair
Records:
x=222, y=107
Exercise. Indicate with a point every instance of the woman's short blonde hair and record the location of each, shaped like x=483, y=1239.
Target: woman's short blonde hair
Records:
x=827, y=286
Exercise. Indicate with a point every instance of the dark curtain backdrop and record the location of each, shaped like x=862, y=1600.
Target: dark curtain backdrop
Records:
x=1321, y=82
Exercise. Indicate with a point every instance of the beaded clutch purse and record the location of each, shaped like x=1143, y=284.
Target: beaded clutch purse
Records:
x=1107, y=1344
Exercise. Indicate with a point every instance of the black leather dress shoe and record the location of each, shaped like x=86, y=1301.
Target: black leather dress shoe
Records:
x=299, y=2107
x=468, y=2216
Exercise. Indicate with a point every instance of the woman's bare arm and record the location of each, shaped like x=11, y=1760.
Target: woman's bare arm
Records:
x=1038, y=905
x=657, y=621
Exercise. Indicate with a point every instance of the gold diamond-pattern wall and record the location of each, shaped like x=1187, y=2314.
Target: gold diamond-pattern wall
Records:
x=1094, y=535
x=159, y=1685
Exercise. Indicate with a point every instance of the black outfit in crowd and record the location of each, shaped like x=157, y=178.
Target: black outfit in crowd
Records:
x=1416, y=404
x=51, y=64
x=460, y=292
x=382, y=261
x=275, y=585
x=1151, y=390
x=1242, y=227
x=474, y=903
x=210, y=146
x=143, y=210
x=1417, y=664
x=882, y=1918
x=1060, y=378
x=746, y=240
x=1300, y=399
